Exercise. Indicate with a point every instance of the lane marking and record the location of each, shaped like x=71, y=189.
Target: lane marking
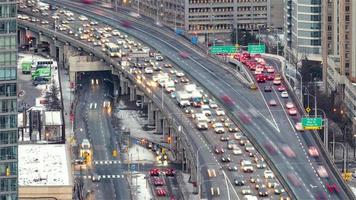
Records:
x=284, y=110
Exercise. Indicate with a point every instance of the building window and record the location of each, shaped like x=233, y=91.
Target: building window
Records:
x=7, y=153
x=8, y=137
x=8, y=121
x=7, y=185
x=8, y=89
x=7, y=73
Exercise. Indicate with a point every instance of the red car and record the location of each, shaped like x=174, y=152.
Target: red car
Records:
x=270, y=77
x=261, y=78
x=270, y=148
x=294, y=179
x=126, y=24
x=184, y=54
x=161, y=192
x=219, y=150
x=288, y=151
x=332, y=187
x=292, y=111
x=281, y=88
x=245, y=118
x=170, y=172
x=227, y=100
x=154, y=172
x=158, y=181
x=313, y=151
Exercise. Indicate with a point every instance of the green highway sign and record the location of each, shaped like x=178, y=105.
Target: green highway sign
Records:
x=256, y=48
x=222, y=49
x=312, y=123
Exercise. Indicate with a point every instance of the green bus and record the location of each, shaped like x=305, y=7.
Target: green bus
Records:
x=26, y=66
x=44, y=72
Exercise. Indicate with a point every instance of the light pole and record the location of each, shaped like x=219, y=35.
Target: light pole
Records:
x=345, y=155
x=326, y=126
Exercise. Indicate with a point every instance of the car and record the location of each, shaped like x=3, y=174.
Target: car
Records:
x=220, y=112
x=271, y=183
x=289, y=105
x=170, y=172
x=288, y=151
x=180, y=74
x=244, y=117
x=225, y=158
x=92, y=106
x=268, y=174
x=272, y=102
x=233, y=129
x=276, y=81
x=294, y=179
x=218, y=128
x=281, y=88
x=313, y=151
x=159, y=58
x=184, y=80
x=237, y=151
x=232, y=168
x=263, y=192
x=239, y=180
x=148, y=70
x=205, y=109
x=95, y=177
x=219, y=150
x=332, y=187
x=225, y=138
x=249, y=147
x=161, y=192
x=154, y=172
x=298, y=126
x=259, y=185
x=354, y=174
x=270, y=69
x=268, y=89
x=284, y=94
x=270, y=77
x=228, y=100
x=261, y=78
x=261, y=164
x=271, y=148
x=278, y=190
x=246, y=190
x=292, y=111
x=158, y=181
x=167, y=65
x=184, y=54
x=320, y=195
x=254, y=179
x=40, y=81
x=322, y=171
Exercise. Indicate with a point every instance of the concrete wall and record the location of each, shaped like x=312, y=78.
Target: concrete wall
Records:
x=50, y=192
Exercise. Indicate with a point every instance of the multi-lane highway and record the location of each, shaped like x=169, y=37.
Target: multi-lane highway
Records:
x=264, y=125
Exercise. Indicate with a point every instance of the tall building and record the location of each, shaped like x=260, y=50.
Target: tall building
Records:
x=8, y=101
x=214, y=18
x=302, y=28
x=339, y=53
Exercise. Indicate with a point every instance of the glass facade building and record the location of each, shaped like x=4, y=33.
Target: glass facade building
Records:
x=302, y=25
x=8, y=101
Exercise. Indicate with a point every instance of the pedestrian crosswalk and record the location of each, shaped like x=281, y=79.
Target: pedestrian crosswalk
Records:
x=106, y=162
x=111, y=176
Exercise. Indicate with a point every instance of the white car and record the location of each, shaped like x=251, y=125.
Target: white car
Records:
x=115, y=32
x=205, y=110
x=219, y=128
x=179, y=74
x=220, y=112
x=237, y=151
x=284, y=94
x=212, y=104
x=148, y=70
x=106, y=104
x=159, y=58
x=268, y=174
x=322, y=172
x=92, y=106
x=299, y=127
x=82, y=18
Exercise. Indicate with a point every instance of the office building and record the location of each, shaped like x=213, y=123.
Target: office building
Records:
x=339, y=53
x=209, y=19
x=302, y=29
x=8, y=101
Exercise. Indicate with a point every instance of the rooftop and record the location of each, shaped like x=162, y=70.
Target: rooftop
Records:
x=43, y=165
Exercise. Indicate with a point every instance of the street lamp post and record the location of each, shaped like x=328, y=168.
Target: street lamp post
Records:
x=345, y=154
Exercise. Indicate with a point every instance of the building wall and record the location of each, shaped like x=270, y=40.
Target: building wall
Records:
x=42, y=192
x=8, y=101
x=303, y=28
x=220, y=17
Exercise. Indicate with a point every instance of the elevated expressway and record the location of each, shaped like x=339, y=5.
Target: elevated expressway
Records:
x=264, y=126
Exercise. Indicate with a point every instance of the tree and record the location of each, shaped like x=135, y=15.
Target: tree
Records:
x=244, y=37
x=52, y=96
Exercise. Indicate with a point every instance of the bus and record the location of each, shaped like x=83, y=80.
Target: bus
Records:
x=46, y=62
x=42, y=68
x=26, y=66
x=112, y=50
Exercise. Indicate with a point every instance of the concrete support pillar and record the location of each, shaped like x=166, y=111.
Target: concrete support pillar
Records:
x=158, y=121
x=150, y=113
x=165, y=129
x=133, y=96
x=52, y=49
x=22, y=37
x=123, y=85
x=61, y=56
x=66, y=54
